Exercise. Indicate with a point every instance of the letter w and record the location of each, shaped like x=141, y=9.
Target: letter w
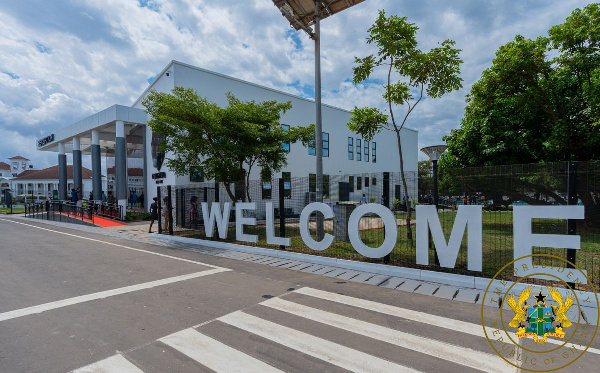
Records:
x=427, y=217
x=222, y=219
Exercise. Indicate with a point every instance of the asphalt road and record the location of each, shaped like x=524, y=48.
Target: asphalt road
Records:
x=76, y=301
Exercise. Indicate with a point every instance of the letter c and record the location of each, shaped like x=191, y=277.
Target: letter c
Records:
x=304, y=231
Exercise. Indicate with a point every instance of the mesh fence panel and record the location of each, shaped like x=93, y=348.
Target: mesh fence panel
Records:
x=497, y=189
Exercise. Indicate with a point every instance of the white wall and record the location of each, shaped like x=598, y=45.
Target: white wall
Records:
x=214, y=87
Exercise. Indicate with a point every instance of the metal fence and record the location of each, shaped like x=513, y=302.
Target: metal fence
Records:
x=497, y=189
x=70, y=212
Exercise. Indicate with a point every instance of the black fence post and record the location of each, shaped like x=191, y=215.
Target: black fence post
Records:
x=205, y=192
x=159, y=209
x=281, y=211
x=170, y=210
x=386, y=203
x=572, y=200
x=47, y=210
x=217, y=192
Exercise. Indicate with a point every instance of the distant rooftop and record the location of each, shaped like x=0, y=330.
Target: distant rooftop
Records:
x=18, y=157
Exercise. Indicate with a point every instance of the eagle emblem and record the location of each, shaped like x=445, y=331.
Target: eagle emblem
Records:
x=538, y=320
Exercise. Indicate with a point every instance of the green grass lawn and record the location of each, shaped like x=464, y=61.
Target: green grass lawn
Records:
x=4, y=210
x=497, y=243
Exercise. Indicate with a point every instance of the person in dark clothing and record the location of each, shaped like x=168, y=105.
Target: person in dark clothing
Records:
x=74, y=196
x=153, y=213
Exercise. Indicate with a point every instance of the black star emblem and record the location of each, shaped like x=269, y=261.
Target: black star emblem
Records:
x=540, y=297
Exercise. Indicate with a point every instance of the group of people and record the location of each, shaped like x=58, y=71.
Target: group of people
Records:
x=167, y=217
x=154, y=206
x=136, y=200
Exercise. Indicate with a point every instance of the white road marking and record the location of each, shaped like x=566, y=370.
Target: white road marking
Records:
x=214, y=354
x=113, y=244
x=319, y=348
x=104, y=294
x=441, y=350
x=422, y=317
x=114, y=364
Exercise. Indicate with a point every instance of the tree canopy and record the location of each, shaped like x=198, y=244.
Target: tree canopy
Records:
x=433, y=73
x=223, y=144
x=538, y=102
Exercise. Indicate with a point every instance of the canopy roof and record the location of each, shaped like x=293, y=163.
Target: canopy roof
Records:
x=301, y=13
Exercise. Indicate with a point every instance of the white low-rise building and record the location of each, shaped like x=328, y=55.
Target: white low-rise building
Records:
x=122, y=132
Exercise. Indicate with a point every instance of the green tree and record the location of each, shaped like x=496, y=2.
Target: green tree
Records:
x=538, y=102
x=223, y=144
x=425, y=178
x=433, y=73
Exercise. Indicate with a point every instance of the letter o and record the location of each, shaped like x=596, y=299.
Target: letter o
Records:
x=391, y=230
x=304, y=231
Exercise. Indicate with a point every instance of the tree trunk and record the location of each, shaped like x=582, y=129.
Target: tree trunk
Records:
x=405, y=187
x=229, y=193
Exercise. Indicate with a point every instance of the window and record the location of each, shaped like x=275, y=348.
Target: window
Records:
x=266, y=189
x=351, y=183
x=374, y=153
x=325, y=141
x=287, y=184
x=286, y=145
x=366, y=182
x=311, y=148
x=350, y=148
x=374, y=181
x=358, y=183
x=195, y=176
x=366, y=151
x=358, y=150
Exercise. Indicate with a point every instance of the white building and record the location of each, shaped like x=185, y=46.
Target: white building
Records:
x=123, y=132
x=45, y=182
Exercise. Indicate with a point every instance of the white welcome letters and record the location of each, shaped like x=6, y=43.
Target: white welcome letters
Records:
x=467, y=218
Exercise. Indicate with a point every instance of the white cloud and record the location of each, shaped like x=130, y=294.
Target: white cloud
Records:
x=61, y=61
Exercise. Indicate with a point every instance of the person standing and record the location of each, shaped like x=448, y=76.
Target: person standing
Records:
x=79, y=197
x=74, y=196
x=134, y=199
x=153, y=213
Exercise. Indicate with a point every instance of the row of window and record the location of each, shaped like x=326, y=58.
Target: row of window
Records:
x=362, y=149
x=313, y=151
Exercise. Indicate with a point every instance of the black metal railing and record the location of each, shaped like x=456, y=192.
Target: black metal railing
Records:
x=66, y=211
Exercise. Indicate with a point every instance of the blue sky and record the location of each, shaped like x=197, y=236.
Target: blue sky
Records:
x=62, y=60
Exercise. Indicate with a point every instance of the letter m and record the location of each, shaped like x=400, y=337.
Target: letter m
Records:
x=427, y=217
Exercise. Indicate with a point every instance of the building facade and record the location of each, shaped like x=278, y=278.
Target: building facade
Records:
x=123, y=132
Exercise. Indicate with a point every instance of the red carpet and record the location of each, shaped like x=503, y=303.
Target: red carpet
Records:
x=101, y=222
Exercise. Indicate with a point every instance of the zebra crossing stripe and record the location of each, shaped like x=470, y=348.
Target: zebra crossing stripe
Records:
x=214, y=354
x=114, y=364
x=449, y=352
x=422, y=317
x=342, y=356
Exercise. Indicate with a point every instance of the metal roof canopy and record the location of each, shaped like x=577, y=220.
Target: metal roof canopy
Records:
x=302, y=13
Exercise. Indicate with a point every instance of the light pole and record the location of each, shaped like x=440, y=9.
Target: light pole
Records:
x=302, y=14
x=434, y=152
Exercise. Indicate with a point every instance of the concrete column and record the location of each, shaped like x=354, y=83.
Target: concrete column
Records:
x=145, y=147
x=120, y=183
x=62, y=172
x=96, y=166
x=77, y=175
